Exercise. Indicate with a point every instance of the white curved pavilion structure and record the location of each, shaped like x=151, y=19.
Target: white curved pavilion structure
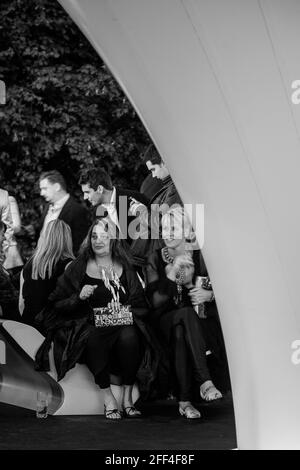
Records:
x=211, y=80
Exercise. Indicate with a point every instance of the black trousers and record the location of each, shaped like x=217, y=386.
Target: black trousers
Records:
x=120, y=357
x=183, y=332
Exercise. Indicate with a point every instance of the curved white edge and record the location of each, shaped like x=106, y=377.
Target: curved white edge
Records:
x=211, y=82
x=81, y=396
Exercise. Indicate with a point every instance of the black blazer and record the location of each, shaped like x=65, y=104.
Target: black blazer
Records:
x=150, y=186
x=77, y=217
x=66, y=321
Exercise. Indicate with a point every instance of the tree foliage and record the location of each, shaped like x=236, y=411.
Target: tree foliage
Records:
x=63, y=110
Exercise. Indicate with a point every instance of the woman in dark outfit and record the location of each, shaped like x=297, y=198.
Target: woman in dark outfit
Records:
x=40, y=274
x=101, y=276
x=170, y=279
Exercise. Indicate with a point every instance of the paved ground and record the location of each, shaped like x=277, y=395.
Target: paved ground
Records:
x=160, y=428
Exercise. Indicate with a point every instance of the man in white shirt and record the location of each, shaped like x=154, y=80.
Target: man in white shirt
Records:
x=63, y=206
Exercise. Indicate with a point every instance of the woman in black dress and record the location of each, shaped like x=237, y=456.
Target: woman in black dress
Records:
x=171, y=273
x=40, y=273
x=101, y=277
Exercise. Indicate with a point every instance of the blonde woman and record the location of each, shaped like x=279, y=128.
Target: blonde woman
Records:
x=171, y=273
x=38, y=279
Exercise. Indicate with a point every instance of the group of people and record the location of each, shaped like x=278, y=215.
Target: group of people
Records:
x=147, y=289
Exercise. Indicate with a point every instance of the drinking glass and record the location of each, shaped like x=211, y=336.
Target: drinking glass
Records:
x=42, y=405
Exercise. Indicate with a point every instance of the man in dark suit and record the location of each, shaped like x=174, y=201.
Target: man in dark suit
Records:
x=163, y=197
x=167, y=192
x=126, y=208
x=150, y=186
x=63, y=206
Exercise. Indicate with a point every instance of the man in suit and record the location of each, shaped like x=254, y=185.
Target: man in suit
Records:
x=167, y=192
x=150, y=186
x=163, y=197
x=61, y=205
x=126, y=208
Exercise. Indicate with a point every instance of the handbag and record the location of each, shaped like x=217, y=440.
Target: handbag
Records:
x=112, y=316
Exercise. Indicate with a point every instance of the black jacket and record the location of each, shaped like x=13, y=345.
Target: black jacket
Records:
x=77, y=217
x=150, y=186
x=8, y=297
x=66, y=322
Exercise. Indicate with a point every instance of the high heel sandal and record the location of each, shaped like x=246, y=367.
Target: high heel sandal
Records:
x=131, y=412
x=109, y=414
x=189, y=412
x=208, y=392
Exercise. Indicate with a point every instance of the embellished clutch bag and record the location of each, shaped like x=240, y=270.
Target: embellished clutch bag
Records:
x=110, y=316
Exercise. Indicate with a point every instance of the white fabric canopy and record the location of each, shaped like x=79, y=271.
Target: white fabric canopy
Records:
x=211, y=80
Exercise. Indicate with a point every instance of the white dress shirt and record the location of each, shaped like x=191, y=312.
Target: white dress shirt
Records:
x=55, y=209
x=112, y=208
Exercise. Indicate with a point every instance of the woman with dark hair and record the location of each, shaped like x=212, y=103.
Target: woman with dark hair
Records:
x=100, y=280
x=39, y=275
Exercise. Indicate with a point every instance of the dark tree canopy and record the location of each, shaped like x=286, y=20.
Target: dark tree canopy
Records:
x=63, y=110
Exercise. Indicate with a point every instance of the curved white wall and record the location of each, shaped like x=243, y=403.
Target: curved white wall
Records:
x=211, y=81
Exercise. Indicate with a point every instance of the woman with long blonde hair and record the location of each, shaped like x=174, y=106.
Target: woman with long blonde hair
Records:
x=49, y=260
x=176, y=297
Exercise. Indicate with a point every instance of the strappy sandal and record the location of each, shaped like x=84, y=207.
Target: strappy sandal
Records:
x=208, y=392
x=109, y=414
x=189, y=412
x=131, y=412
